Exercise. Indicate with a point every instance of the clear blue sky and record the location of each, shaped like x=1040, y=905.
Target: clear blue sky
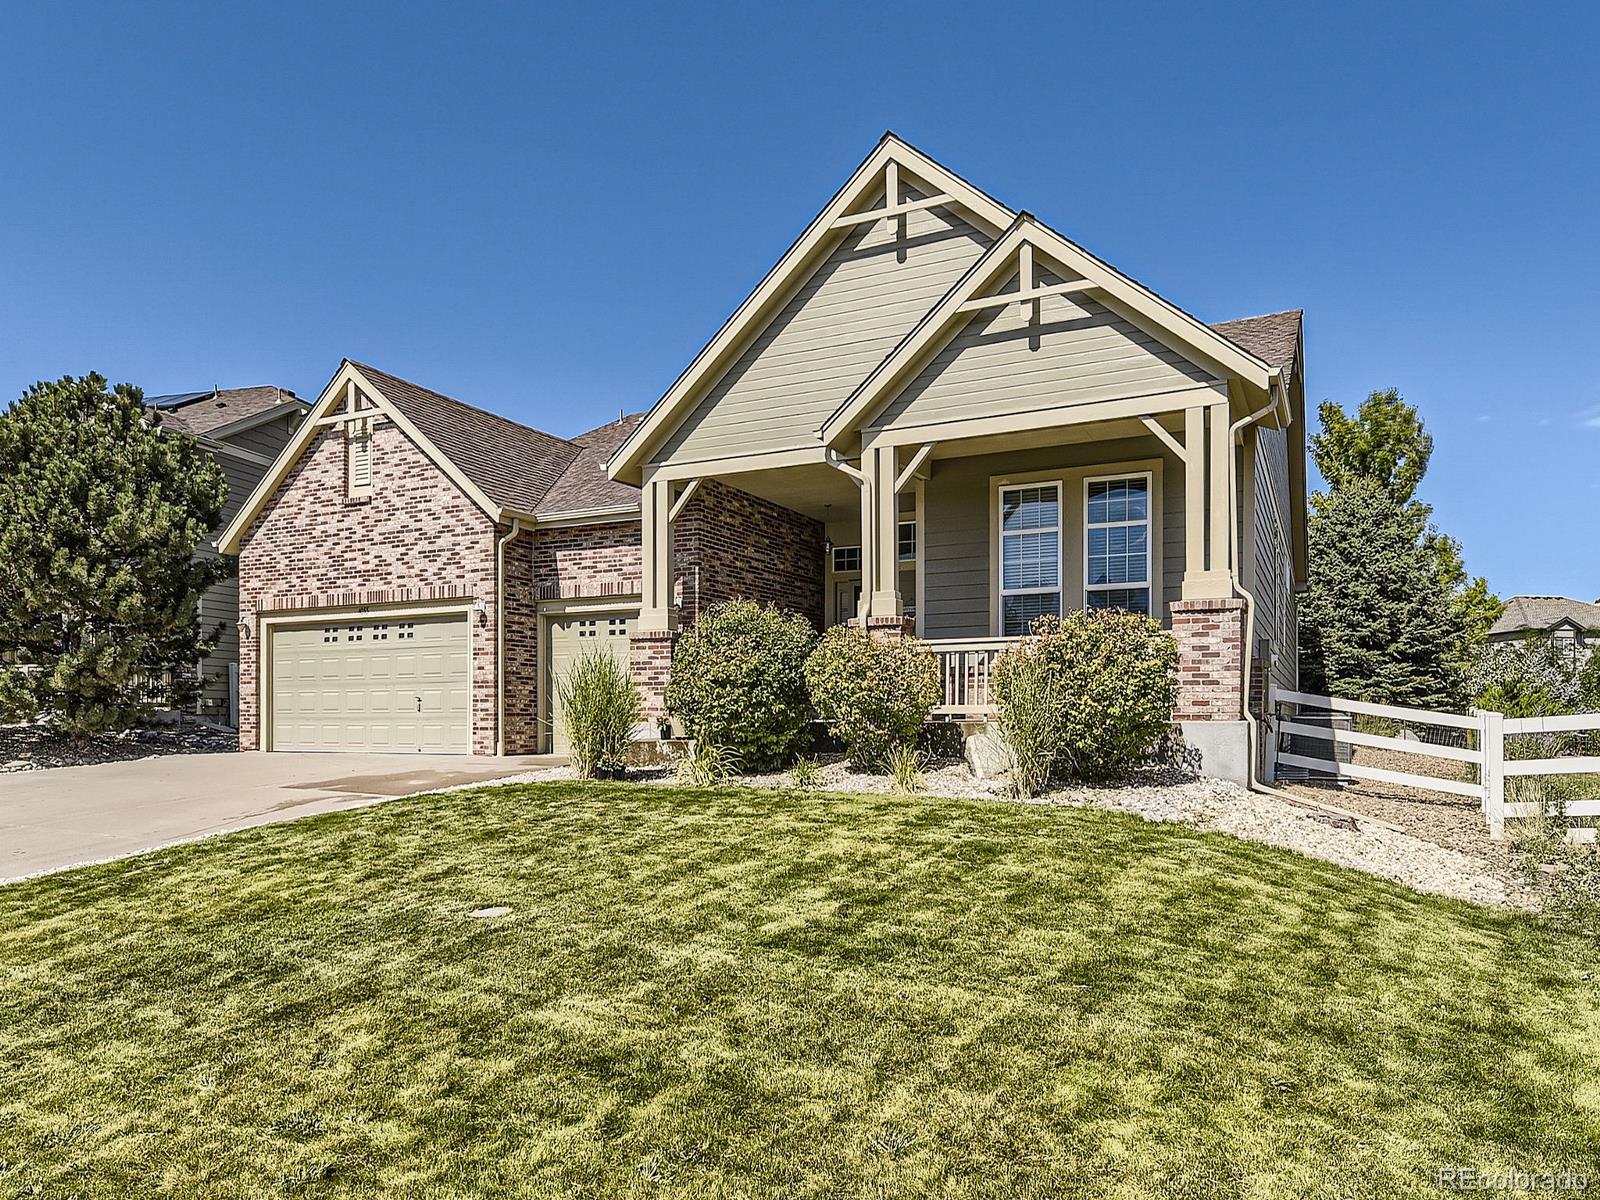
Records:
x=547, y=209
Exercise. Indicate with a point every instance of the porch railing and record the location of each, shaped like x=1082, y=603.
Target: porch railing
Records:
x=966, y=665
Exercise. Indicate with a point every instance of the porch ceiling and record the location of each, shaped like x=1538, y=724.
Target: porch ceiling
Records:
x=807, y=489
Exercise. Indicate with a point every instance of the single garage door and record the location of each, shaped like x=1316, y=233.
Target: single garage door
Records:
x=570, y=639
x=375, y=684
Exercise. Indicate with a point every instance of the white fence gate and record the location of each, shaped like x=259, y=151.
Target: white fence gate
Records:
x=1477, y=739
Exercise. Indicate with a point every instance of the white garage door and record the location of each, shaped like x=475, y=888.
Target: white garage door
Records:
x=375, y=684
x=570, y=639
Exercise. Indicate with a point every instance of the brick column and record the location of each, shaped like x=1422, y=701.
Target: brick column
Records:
x=1210, y=637
x=651, y=660
x=889, y=629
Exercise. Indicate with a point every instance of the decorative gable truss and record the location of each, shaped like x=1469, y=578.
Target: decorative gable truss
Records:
x=352, y=405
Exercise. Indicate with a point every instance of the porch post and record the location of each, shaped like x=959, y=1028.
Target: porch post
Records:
x=1207, y=572
x=880, y=516
x=655, y=584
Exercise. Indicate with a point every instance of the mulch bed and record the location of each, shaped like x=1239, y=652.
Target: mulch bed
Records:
x=39, y=747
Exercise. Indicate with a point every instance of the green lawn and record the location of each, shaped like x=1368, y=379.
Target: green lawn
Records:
x=749, y=994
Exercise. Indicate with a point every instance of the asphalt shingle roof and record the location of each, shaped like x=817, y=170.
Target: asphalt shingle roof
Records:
x=1527, y=614
x=513, y=465
x=201, y=412
x=585, y=484
x=1274, y=338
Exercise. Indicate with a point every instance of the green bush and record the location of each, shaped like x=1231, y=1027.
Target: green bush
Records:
x=1109, y=681
x=875, y=694
x=738, y=682
x=599, y=709
x=1589, y=683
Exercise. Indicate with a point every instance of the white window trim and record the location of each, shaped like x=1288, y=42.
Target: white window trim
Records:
x=1149, y=523
x=899, y=530
x=833, y=559
x=1059, y=591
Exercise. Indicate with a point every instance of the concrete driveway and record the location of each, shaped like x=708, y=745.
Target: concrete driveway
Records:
x=53, y=819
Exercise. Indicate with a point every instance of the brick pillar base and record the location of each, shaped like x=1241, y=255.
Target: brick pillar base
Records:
x=888, y=629
x=1210, y=637
x=651, y=661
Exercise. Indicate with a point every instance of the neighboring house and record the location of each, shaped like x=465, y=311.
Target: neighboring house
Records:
x=1571, y=626
x=244, y=429
x=933, y=414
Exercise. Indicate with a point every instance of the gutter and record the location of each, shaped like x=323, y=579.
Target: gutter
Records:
x=500, y=634
x=1278, y=390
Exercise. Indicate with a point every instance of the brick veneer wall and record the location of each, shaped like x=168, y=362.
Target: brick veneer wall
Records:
x=731, y=544
x=417, y=538
x=1210, y=637
x=587, y=561
x=522, y=646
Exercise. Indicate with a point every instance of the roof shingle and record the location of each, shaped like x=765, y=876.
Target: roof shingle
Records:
x=197, y=413
x=513, y=465
x=584, y=484
x=1274, y=338
x=1529, y=614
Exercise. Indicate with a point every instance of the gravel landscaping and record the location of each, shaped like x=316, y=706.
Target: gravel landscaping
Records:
x=1210, y=804
x=39, y=747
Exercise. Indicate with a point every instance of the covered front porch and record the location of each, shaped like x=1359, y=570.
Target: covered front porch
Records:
x=965, y=535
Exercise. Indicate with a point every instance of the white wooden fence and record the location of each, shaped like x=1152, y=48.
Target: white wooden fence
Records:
x=1477, y=739
x=966, y=666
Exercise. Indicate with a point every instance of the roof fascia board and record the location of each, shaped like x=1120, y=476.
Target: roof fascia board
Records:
x=1116, y=291
x=795, y=266
x=310, y=427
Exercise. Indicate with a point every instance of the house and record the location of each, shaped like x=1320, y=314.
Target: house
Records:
x=244, y=430
x=934, y=414
x=1571, y=626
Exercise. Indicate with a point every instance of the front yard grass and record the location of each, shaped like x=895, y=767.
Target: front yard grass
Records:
x=737, y=993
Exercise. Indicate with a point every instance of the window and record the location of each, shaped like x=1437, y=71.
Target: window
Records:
x=846, y=559
x=1030, y=555
x=907, y=542
x=358, y=458
x=617, y=627
x=1117, y=543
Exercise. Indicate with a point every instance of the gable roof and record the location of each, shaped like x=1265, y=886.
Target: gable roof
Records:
x=799, y=261
x=197, y=413
x=1535, y=614
x=1083, y=269
x=584, y=486
x=514, y=465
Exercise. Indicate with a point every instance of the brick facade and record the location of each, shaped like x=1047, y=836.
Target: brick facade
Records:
x=732, y=545
x=416, y=539
x=1210, y=637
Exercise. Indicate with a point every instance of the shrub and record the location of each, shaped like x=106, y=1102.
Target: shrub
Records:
x=875, y=694
x=738, y=682
x=1589, y=683
x=1109, y=681
x=706, y=764
x=599, y=710
x=1525, y=678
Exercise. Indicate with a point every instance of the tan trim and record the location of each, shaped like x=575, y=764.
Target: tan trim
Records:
x=311, y=426
x=797, y=264
x=1198, y=341
x=266, y=623
x=770, y=460
x=611, y=515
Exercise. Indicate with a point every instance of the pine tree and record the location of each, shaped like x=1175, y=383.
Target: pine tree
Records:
x=100, y=514
x=1375, y=624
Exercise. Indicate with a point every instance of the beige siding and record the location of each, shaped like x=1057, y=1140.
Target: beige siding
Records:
x=999, y=364
x=957, y=541
x=862, y=300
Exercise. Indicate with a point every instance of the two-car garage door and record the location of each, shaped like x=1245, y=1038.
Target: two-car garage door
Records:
x=372, y=684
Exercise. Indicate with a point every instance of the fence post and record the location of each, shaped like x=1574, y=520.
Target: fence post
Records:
x=1493, y=774
x=1269, y=736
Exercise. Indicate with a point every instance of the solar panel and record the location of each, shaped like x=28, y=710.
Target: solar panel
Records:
x=174, y=400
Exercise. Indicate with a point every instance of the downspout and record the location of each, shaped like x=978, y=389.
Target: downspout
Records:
x=500, y=635
x=1282, y=397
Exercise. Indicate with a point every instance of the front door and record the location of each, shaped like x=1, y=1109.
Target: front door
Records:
x=846, y=600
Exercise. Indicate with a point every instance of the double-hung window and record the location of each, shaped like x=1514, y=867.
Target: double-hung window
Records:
x=1030, y=555
x=1117, y=543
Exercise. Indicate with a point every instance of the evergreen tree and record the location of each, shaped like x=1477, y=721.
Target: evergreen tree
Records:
x=100, y=513
x=1386, y=444
x=1375, y=624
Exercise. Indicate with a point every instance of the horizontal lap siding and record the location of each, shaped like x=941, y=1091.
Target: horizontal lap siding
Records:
x=957, y=541
x=998, y=365
x=1276, y=615
x=863, y=299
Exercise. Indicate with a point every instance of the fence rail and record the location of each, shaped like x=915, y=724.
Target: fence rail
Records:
x=1482, y=743
x=966, y=667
